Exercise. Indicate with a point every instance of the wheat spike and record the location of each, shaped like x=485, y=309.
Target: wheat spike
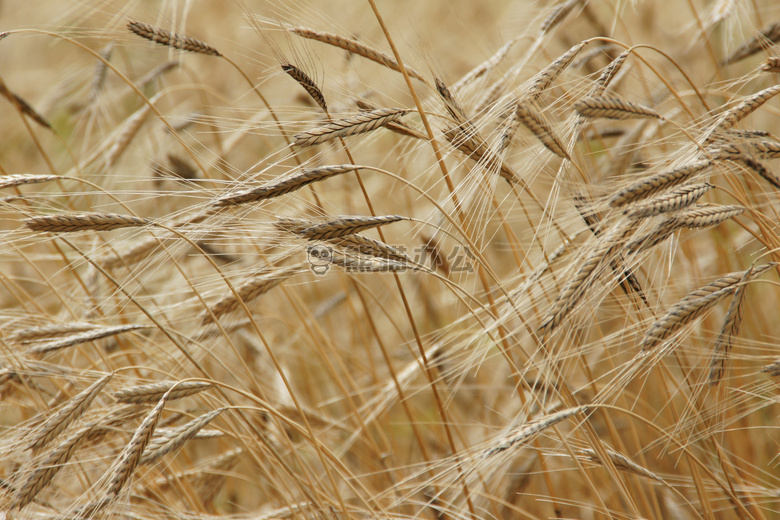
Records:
x=486, y=66
x=130, y=457
x=48, y=467
x=346, y=226
x=354, y=47
x=285, y=185
x=160, y=445
x=292, y=225
x=773, y=369
x=72, y=410
x=131, y=128
x=628, y=280
x=558, y=14
x=156, y=72
x=736, y=114
x=762, y=40
x=622, y=463
x=10, y=181
x=588, y=271
x=700, y=216
x=438, y=260
x=32, y=334
x=169, y=39
x=772, y=64
x=613, y=108
x=530, y=429
x=357, y=124
x=181, y=168
x=545, y=77
x=673, y=200
x=22, y=105
x=706, y=215
x=608, y=74
x=764, y=149
x=368, y=246
x=693, y=305
x=101, y=69
x=248, y=292
x=476, y=150
x=70, y=222
x=658, y=182
x=729, y=329
x=153, y=392
x=114, y=422
x=78, y=339
x=757, y=167
x=536, y=123
x=398, y=127
x=307, y=83
x=452, y=105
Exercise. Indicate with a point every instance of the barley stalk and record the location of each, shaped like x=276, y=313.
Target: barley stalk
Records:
x=164, y=37
x=357, y=124
x=71, y=222
x=706, y=215
x=153, y=392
